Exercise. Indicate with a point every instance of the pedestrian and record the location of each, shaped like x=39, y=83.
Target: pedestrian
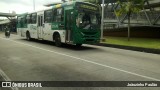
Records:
x=7, y=32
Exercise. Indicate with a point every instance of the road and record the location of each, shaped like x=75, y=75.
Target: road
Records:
x=22, y=60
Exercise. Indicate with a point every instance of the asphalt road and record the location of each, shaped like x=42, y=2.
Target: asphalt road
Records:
x=22, y=60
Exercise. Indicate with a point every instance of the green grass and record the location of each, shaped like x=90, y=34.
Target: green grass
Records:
x=138, y=42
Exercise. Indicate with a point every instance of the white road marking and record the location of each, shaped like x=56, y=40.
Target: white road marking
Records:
x=6, y=78
x=85, y=60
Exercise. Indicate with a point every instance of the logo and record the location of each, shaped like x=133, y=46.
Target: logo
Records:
x=6, y=84
x=21, y=84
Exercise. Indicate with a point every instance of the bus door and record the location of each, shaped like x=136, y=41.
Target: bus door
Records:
x=69, y=25
x=40, y=26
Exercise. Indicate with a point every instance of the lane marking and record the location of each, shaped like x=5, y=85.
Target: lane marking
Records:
x=85, y=60
x=6, y=78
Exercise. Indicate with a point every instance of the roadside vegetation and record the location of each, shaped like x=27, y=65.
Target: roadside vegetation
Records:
x=129, y=7
x=137, y=42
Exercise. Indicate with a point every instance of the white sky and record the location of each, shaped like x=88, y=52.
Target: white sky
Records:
x=22, y=6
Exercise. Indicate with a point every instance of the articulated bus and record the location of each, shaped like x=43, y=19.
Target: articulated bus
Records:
x=73, y=22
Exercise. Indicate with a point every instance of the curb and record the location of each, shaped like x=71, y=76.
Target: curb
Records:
x=147, y=50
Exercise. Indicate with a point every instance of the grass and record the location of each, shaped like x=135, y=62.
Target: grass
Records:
x=137, y=42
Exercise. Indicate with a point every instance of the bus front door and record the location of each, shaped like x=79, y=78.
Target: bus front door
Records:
x=69, y=26
x=40, y=26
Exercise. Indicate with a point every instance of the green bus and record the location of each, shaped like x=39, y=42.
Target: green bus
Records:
x=72, y=22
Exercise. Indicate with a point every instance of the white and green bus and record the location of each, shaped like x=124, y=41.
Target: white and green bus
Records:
x=71, y=22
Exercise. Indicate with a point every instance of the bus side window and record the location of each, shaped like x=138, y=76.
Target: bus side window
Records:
x=34, y=18
x=58, y=13
x=28, y=19
x=25, y=20
x=39, y=23
x=62, y=15
x=54, y=14
x=48, y=16
x=19, y=21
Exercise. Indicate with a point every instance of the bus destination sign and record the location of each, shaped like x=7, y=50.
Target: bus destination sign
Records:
x=88, y=7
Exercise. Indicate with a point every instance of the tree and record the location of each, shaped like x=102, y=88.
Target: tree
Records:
x=128, y=7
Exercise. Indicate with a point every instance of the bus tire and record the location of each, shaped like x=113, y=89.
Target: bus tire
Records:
x=58, y=40
x=28, y=37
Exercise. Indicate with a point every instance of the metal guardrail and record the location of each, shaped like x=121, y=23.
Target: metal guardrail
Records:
x=149, y=16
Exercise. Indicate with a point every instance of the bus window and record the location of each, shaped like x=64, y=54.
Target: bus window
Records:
x=58, y=13
x=22, y=22
x=34, y=18
x=25, y=20
x=19, y=21
x=48, y=16
x=28, y=19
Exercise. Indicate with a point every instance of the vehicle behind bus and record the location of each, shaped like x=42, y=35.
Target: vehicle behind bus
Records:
x=72, y=23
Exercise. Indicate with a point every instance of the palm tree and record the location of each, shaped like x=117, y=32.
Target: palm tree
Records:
x=128, y=7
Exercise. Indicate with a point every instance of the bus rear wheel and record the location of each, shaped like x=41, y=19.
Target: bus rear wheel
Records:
x=58, y=40
x=28, y=37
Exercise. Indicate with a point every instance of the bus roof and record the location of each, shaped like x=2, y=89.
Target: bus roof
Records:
x=69, y=3
x=57, y=6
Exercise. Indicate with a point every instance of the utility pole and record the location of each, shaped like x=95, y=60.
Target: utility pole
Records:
x=33, y=5
x=102, y=21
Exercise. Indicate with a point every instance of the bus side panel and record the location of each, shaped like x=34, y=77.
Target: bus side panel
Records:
x=23, y=32
x=63, y=35
x=32, y=28
x=47, y=35
x=48, y=32
x=19, y=31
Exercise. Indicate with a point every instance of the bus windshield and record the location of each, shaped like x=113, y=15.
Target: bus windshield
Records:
x=87, y=20
x=88, y=16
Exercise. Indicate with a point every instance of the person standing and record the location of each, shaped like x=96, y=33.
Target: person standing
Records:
x=7, y=31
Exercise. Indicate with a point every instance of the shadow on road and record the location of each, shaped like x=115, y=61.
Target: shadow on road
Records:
x=66, y=46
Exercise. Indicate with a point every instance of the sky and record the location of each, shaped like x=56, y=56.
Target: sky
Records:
x=23, y=6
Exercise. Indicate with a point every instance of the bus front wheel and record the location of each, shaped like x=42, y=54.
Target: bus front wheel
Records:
x=58, y=40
